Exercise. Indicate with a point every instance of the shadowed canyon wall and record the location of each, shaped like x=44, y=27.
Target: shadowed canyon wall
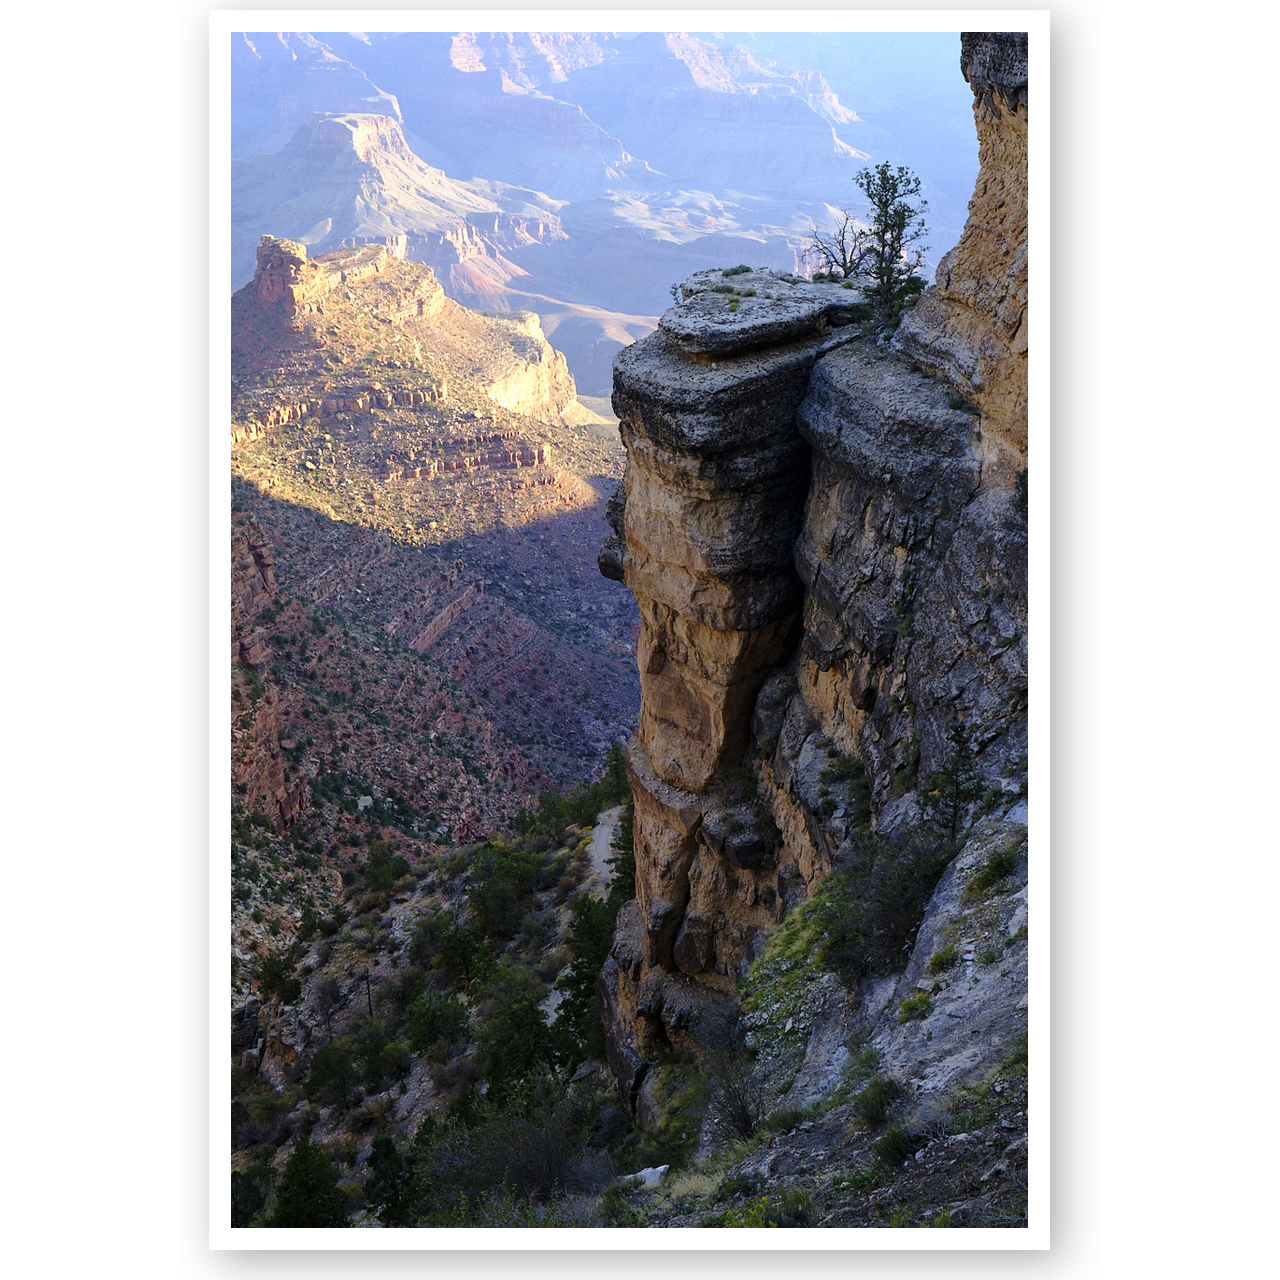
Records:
x=824, y=526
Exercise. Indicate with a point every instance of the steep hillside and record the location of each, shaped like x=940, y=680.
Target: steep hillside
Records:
x=416, y=618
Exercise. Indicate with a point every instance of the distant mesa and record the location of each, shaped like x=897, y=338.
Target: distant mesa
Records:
x=351, y=179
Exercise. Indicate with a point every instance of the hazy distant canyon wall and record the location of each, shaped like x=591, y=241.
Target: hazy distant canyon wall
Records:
x=578, y=175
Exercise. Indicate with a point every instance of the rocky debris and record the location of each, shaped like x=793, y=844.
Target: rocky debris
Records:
x=948, y=1017
x=977, y=1006
x=963, y=1164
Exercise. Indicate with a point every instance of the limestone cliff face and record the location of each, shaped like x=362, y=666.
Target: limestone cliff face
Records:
x=828, y=548
x=971, y=326
x=526, y=374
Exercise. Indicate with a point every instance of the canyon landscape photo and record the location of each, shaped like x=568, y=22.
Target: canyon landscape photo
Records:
x=629, y=657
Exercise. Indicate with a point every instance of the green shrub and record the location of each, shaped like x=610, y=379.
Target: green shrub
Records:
x=858, y=1180
x=988, y=956
x=943, y=960
x=738, y=1183
x=589, y=940
x=740, y=270
x=895, y=1145
x=915, y=1008
x=850, y=771
x=784, y=1119
x=533, y=1143
x=512, y=1038
x=754, y=1215
x=1015, y=1062
x=616, y=1210
x=873, y=1103
x=793, y=1209
x=333, y=1075
x=274, y=973
x=246, y=1200
x=384, y=867
x=309, y=1195
x=435, y=1019
x=1000, y=865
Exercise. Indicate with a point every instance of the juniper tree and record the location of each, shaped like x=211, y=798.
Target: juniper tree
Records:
x=897, y=225
x=887, y=247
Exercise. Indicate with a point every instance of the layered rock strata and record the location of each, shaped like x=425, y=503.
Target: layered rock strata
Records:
x=825, y=537
x=706, y=522
x=506, y=353
x=713, y=501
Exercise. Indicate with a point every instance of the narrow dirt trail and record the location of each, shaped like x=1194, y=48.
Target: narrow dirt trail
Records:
x=601, y=873
x=597, y=881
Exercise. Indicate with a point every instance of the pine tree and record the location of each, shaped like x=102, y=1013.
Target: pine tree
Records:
x=590, y=937
x=389, y=1190
x=956, y=785
x=309, y=1195
x=622, y=888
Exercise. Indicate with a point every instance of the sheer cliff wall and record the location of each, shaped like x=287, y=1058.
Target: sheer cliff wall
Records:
x=825, y=530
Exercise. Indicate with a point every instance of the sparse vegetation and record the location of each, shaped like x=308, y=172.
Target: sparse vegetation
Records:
x=435, y=915
x=915, y=1008
x=1000, y=864
x=886, y=247
x=873, y=1103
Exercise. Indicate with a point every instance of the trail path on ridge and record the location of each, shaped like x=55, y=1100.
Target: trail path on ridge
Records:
x=601, y=873
x=597, y=882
